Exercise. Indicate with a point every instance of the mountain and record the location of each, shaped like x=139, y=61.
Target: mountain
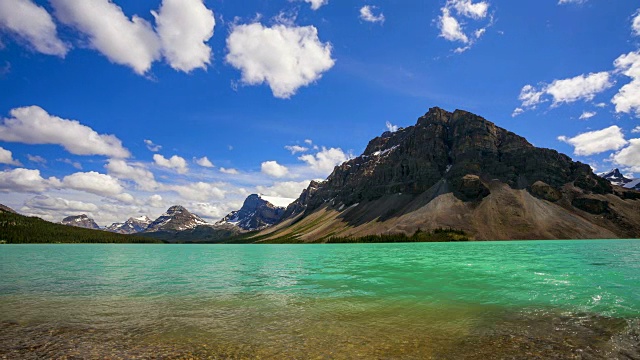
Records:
x=458, y=170
x=4, y=208
x=615, y=177
x=17, y=229
x=131, y=226
x=255, y=214
x=82, y=221
x=177, y=218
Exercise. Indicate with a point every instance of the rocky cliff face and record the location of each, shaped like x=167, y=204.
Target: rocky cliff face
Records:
x=456, y=169
x=177, y=218
x=82, y=221
x=460, y=150
x=255, y=214
x=133, y=225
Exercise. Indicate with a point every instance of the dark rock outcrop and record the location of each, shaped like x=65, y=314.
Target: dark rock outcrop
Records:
x=593, y=206
x=82, y=221
x=545, y=191
x=255, y=214
x=461, y=149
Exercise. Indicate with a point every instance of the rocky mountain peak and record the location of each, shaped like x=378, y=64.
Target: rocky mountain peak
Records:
x=256, y=213
x=132, y=226
x=176, y=218
x=82, y=221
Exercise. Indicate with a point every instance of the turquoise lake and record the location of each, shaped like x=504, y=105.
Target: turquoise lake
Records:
x=524, y=299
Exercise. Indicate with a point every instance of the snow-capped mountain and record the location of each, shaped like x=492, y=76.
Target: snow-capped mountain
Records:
x=82, y=221
x=177, y=218
x=615, y=177
x=256, y=213
x=132, y=226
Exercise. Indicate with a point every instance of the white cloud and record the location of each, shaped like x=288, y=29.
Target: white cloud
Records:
x=36, y=159
x=581, y=87
x=366, y=14
x=151, y=146
x=627, y=99
x=636, y=130
x=450, y=28
x=629, y=157
x=468, y=9
x=324, y=161
x=33, y=125
x=6, y=157
x=391, y=127
x=587, y=115
x=33, y=24
x=156, y=200
x=561, y=2
x=229, y=171
x=285, y=189
x=596, y=142
x=175, y=162
x=133, y=42
x=517, y=111
x=58, y=204
x=296, y=149
x=316, y=4
x=136, y=172
x=25, y=180
x=94, y=183
x=285, y=57
x=635, y=24
x=184, y=26
x=272, y=168
x=199, y=191
x=75, y=164
x=204, y=162
x=209, y=211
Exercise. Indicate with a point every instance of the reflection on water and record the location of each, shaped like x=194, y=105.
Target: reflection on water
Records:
x=503, y=300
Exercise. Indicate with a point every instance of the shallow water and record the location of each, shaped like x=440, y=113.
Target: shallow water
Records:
x=538, y=299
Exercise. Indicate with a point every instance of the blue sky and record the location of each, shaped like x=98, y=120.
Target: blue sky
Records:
x=109, y=107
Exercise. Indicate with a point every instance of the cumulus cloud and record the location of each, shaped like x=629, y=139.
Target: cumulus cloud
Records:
x=136, y=172
x=325, y=160
x=296, y=149
x=283, y=56
x=131, y=42
x=627, y=99
x=366, y=14
x=587, y=115
x=636, y=130
x=151, y=146
x=33, y=24
x=33, y=125
x=94, y=183
x=6, y=157
x=451, y=26
x=175, y=162
x=391, y=127
x=517, y=111
x=316, y=4
x=155, y=200
x=272, y=168
x=596, y=142
x=635, y=24
x=629, y=157
x=285, y=189
x=58, y=204
x=184, y=27
x=229, y=171
x=25, y=180
x=204, y=162
x=199, y=191
x=582, y=87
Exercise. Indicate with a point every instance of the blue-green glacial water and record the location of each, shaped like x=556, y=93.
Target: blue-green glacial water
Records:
x=535, y=299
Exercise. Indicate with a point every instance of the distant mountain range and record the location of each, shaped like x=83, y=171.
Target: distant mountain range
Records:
x=452, y=170
x=615, y=177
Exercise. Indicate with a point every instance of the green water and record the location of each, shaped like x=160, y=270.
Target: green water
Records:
x=535, y=299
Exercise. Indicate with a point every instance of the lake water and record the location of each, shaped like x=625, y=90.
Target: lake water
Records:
x=536, y=299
